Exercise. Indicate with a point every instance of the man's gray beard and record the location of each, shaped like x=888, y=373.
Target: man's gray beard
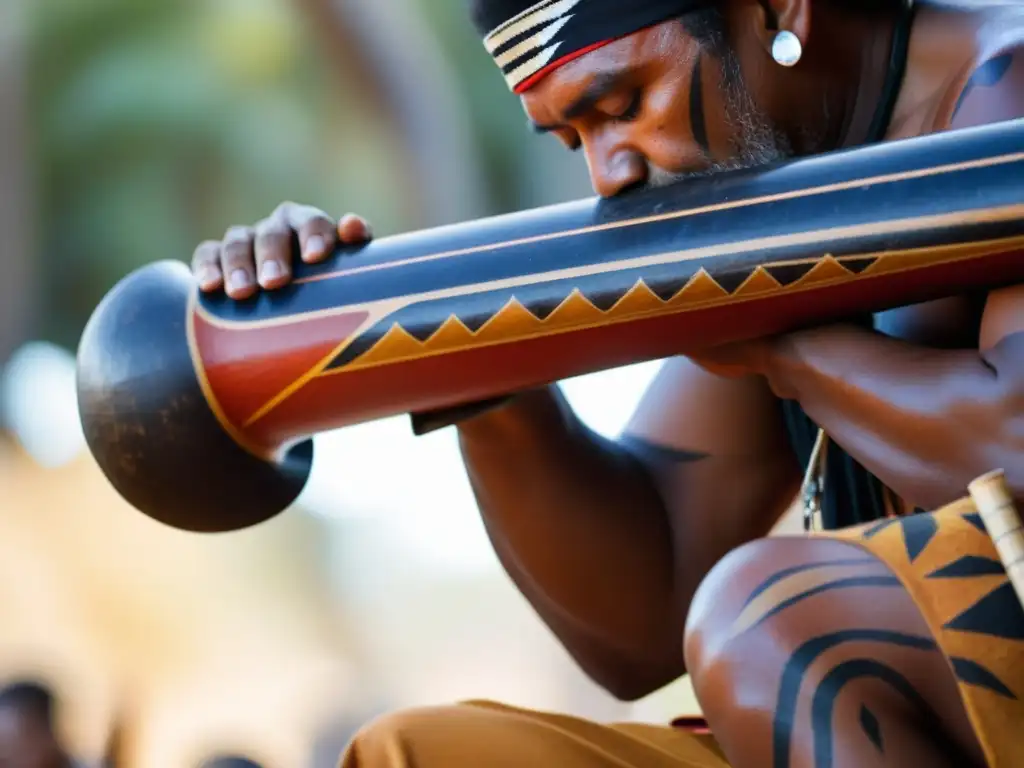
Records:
x=758, y=141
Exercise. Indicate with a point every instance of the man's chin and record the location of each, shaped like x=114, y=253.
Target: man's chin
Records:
x=658, y=178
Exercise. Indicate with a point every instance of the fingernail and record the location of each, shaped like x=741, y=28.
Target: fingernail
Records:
x=208, y=277
x=314, y=246
x=270, y=270
x=239, y=280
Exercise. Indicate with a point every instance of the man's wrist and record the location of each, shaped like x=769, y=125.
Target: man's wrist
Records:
x=783, y=366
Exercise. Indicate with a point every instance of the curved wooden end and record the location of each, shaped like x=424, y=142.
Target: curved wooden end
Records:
x=149, y=426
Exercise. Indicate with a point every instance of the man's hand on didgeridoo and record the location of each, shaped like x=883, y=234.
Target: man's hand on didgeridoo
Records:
x=250, y=258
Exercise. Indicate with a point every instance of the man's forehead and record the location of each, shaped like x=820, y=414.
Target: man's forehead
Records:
x=554, y=33
x=576, y=76
x=554, y=98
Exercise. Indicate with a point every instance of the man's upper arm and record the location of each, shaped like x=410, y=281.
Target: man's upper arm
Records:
x=994, y=93
x=689, y=415
x=718, y=451
x=1003, y=316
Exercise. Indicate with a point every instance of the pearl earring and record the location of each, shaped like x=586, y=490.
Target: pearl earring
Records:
x=786, y=49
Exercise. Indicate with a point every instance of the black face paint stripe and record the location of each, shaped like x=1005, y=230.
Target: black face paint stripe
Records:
x=698, y=122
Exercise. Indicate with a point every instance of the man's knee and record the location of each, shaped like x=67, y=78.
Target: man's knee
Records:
x=754, y=584
x=710, y=611
x=717, y=602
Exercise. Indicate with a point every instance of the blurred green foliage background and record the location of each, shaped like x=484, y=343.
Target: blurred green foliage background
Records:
x=155, y=125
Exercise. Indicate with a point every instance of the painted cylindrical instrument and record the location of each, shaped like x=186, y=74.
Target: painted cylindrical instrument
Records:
x=200, y=409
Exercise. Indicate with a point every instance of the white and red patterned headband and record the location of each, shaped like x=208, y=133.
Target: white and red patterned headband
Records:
x=552, y=33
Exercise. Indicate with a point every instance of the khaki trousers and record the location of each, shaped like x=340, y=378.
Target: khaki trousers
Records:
x=484, y=734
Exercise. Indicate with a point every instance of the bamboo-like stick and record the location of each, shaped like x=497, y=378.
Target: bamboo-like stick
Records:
x=992, y=497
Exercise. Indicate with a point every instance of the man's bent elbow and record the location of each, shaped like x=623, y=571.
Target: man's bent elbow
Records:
x=631, y=683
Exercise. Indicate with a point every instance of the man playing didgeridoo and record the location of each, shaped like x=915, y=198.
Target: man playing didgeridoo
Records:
x=891, y=637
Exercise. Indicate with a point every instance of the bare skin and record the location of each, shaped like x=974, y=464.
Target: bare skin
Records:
x=620, y=535
x=740, y=678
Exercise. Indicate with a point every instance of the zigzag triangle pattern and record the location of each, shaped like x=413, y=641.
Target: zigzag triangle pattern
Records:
x=517, y=321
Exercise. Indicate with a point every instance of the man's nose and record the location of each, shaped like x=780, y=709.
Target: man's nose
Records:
x=614, y=172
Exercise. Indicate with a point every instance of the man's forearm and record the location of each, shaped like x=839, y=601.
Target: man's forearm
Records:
x=581, y=530
x=925, y=421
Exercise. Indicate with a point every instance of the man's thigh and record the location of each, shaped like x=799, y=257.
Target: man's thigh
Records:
x=490, y=735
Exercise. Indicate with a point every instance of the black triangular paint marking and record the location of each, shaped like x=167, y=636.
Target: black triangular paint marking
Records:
x=977, y=522
x=476, y=321
x=356, y=349
x=666, y=290
x=858, y=265
x=874, y=530
x=872, y=728
x=607, y=299
x=972, y=673
x=998, y=614
x=423, y=331
x=544, y=308
x=787, y=274
x=731, y=281
x=918, y=531
x=968, y=567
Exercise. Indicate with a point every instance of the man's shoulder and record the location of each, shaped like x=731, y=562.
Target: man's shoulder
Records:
x=990, y=89
x=963, y=61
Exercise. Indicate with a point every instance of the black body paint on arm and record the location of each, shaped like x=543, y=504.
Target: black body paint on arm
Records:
x=987, y=75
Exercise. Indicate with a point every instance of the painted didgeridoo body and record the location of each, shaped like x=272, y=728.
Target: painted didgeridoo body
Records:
x=199, y=409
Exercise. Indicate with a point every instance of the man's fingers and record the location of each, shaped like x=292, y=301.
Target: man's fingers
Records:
x=238, y=262
x=272, y=249
x=316, y=230
x=354, y=229
x=252, y=257
x=206, y=266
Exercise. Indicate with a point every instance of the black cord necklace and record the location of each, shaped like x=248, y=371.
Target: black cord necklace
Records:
x=863, y=497
x=894, y=75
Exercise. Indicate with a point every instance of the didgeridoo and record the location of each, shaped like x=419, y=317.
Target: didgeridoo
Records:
x=200, y=410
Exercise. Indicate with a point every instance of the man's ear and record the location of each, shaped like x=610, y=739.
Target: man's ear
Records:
x=783, y=16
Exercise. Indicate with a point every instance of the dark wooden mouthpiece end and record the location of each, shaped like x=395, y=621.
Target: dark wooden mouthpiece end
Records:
x=149, y=426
